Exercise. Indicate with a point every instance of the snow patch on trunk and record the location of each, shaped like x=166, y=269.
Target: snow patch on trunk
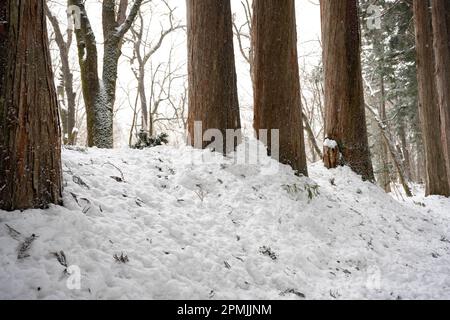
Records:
x=331, y=144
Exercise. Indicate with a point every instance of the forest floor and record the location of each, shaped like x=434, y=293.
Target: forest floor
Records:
x=152, y=225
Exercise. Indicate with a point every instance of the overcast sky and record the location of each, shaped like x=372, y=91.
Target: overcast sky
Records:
x=308, y=23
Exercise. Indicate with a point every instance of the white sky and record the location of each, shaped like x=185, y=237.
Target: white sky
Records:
x=308, y=23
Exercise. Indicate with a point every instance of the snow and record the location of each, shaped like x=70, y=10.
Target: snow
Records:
x=221, y=230
x=331, y=144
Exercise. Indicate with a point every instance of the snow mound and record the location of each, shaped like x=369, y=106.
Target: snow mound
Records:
x=150, y=224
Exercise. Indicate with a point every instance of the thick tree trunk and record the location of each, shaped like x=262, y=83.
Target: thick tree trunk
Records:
x=30, y=150
x=436, y=172
x=213, y=98
x=441, y=28
x=277, y=98
x=99, y=94
x=345, y=120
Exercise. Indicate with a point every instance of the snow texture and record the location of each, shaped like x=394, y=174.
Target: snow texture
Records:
x=148, y=224
x=331, y=144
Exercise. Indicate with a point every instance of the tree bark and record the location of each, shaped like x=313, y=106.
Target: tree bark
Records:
x=436, y=172
x=100, y=94
x=441, y=28
x=345, y=120
x=277, y=98
x=88, y=61
x=30, y=145
x=213, y=98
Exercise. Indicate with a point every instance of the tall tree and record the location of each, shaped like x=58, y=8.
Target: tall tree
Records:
x=441, y=28
x=436, y=172
x=67, y=113
x=277, y=99
x=30, y=147
x=100, y=93
x=345, y=120
x=213, y=98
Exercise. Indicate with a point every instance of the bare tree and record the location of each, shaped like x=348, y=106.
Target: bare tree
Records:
x=143, y=50
x=243, y=34
x=100, y=94
x=68, y=114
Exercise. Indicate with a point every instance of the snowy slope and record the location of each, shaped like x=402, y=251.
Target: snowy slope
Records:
x=223, y=231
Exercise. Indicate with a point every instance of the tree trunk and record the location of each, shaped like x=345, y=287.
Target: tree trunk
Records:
x=64, y=47
x=100, y=94
x=345, y=120
x=312, y=139
x=277, y=98
x=404, y=151
x=88, y=60
x=30, y=145
x=392, y=151
x=385, y=180
x=436, y=172
x=213, y=98
x=441, y=28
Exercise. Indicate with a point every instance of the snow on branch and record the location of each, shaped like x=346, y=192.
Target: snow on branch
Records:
x=124, y=27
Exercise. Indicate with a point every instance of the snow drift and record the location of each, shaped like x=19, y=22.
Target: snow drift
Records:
x=151, y=225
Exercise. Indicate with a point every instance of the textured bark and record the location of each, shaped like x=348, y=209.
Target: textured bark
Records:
x=345, y=120
x=3, y=43
x=100, y=94
x=277, y=99
x=213, y=98
x=90, y=81
x=436, y=172
x=30, y=150
x=441, y=28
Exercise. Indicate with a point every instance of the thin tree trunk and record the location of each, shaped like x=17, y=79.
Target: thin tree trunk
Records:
x=277, y=98
x=441, y=28
x=404, y=151
x=213, y=98
x=392, y=151
x=312, y=139
x=90, y=81
x=385, y=174
x=30, y=145
x=64, y=47
x=345, y=120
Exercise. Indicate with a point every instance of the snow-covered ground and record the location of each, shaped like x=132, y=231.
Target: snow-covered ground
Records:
x=220, y=230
